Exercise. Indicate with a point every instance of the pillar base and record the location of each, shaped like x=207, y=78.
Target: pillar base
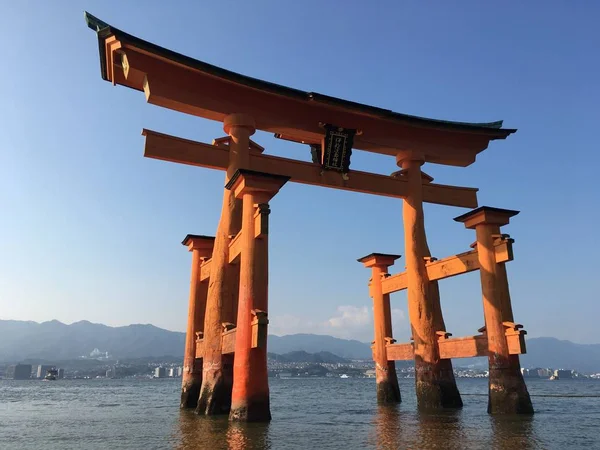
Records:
x=508, y=392
x=215, y=394
x=255, y=410
x=190, y=391
x=436, y=386
x=388, y=390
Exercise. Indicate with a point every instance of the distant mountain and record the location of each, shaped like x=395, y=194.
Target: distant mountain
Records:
x=557, y=354
x=302, y=356
x=54, y=340
x=315, y=343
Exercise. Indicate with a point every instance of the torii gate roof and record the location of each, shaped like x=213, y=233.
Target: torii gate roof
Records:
x=184, y=84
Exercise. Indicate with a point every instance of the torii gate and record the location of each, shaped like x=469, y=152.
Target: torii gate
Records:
x=228, y=308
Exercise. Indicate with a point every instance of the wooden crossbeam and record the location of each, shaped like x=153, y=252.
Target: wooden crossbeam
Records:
x=461, y=347
x=473, y=346
x=400, y=352
x=259, y=337
x=183, y=151
x=450, y=267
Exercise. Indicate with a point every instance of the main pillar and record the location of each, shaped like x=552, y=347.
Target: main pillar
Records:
x=388, y=390
x=434, y=378
x=201, y=248
x=215, y=394
x=250, y=395
x=507, y=390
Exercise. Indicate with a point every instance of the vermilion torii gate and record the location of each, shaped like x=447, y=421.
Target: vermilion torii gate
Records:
x=225, y=354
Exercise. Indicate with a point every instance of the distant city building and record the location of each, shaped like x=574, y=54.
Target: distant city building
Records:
x=43, y=369
x=61, y=374
x=530, y=373
x=180, y=371
x=112, y=372
x=172, y=372
x=544, y=373
x=563, y=374
x=19, y=372
x=160, y=372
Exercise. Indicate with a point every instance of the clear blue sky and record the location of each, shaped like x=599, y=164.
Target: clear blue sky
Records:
x=90, y=229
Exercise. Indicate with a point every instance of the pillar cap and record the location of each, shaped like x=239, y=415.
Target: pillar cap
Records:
x=244, y=181
x=379, y=259
x=199, y=242
x=239, y=120
x=486, y=215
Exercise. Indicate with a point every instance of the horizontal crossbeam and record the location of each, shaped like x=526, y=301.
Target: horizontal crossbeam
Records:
x=461, y=347
x=183, y=151
x=450, y=267
x=259, y=337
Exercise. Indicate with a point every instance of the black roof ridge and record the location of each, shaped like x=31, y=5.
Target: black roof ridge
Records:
x=104, y=30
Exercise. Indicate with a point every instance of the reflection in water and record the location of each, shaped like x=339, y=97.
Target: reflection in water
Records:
x=441, y=429
x=510, y=432
x=388, y=428
x=396, y=428
x=216, y=433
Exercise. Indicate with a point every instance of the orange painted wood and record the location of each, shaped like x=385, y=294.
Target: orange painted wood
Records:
x=183, y=151
x=400, y=352
x=235, y=247
x=228, y=341
x=492, y=305
x=172, y=85
x=205, y=270
x=199, y=348
x=463, y=347
x=451, y=266
x=259, y=329
x=474, y=346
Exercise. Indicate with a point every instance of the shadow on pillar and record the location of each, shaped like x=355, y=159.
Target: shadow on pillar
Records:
x=190, y=389
x=435, y=385
x=435, y=382
x=508, y=392
x=388, y=390
x=214, y=398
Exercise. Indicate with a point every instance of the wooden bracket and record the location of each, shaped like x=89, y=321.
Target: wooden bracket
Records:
x=205, y=270
x=259, y=328
x=261, y=220
x=235, y=248
x=227, y=326
x=442, y=335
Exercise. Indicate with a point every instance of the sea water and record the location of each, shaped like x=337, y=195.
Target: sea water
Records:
x=308, y=413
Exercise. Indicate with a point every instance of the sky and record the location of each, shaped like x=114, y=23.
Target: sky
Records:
x=92, y=230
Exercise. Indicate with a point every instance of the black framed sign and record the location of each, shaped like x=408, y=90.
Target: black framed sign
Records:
x=337, y=148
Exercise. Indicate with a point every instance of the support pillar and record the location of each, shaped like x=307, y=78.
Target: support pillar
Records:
x=388, y=390
x=250, y=396
x=201, y=248
x=215, y=394
x=434, y=377
x=507, y=390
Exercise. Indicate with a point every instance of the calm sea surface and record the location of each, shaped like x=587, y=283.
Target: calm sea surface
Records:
x=309, y=414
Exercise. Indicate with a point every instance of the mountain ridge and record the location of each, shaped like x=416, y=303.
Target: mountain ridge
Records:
x=21, y=340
